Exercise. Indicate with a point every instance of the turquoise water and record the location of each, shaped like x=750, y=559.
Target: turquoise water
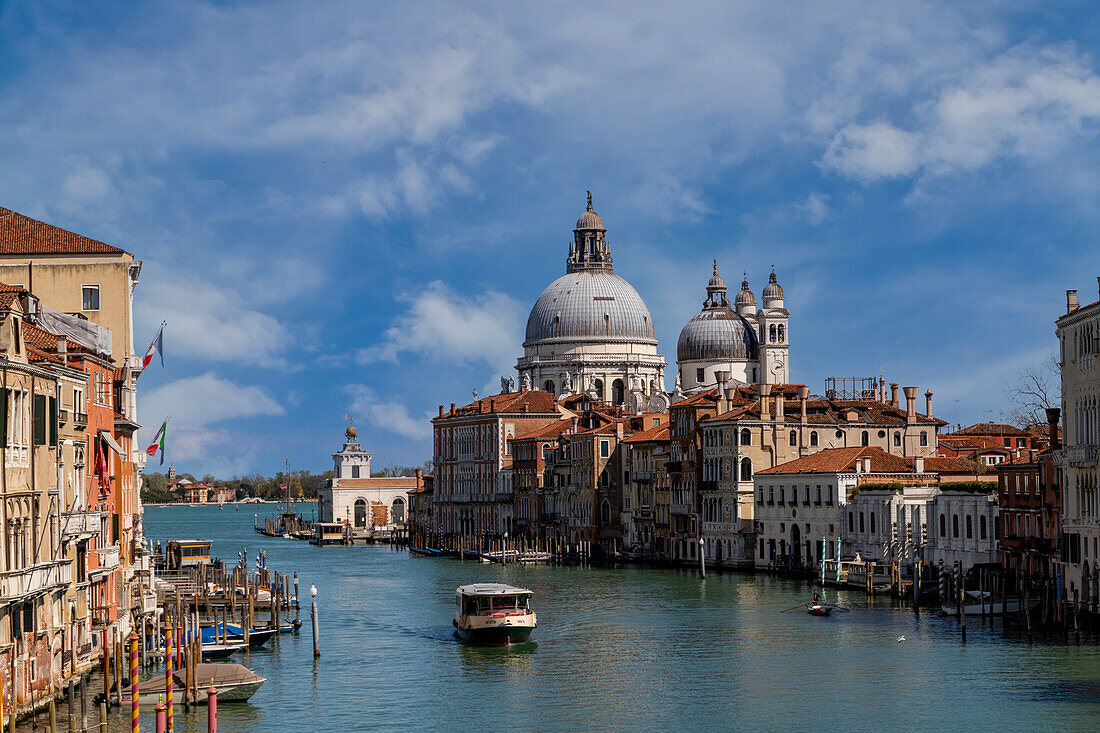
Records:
x=625, y=649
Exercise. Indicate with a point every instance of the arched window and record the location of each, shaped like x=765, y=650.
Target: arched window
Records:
x=746, y=437
x=549, y=386
x=746, y=469
x=618, y=392
x=813, y=439
x=954, y=525
x=864, y=439
x=872, y=522
x=897, y=440
x=792, y=439
x=360, y=513
x=604, y=479
x=598, y=384
x=851, y=522
x=772, y=334
x=782, y=333
x=969, y=528
x=861, y=527
x=605, y=512
x=398, y=510
x=981, y=527
x=943, y=525
x=924, y=438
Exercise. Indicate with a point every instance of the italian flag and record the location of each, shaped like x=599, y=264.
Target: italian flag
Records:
x=157, y=347
x=158, y=442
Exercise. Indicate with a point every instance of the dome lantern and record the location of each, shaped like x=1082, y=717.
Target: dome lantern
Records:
x=773, y=291
x=589, y=251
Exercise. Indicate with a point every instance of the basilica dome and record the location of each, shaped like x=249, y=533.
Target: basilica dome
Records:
x=717, y=333
x=590, y=305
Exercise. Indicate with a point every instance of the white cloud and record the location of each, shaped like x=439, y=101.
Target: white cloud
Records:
x=1027, y=103
x=210, y=323
x=204, y=400
x=392, y=417
x=451, y=328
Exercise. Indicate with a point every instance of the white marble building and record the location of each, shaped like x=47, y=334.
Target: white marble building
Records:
x=353, y=497
x=591, y=332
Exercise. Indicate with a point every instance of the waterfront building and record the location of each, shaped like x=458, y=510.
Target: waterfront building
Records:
x=748, y=345
x=685, y=469
x=988, y=443
x=356, y=498
x=1029, y=496
x=421, y=521
x=590, y=331
x=1078, y=351
x=530, y=475
x=472, y=455
x=646, y=506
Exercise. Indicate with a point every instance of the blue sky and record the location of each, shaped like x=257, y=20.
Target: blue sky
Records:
x=350, y=207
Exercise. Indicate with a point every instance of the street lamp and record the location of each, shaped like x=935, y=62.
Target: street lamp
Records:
x=313, y=616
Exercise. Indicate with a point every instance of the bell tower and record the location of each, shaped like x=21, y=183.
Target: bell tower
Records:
x=774, y=346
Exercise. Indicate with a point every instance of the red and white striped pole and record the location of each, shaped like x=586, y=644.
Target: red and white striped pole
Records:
x=211, y=708
x=169, y=633
x=135, y=726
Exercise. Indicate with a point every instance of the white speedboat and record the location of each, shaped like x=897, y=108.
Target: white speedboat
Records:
x=493, y=613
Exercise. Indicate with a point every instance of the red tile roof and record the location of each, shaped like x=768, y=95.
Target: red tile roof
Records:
x=658, y=434
x=992, y=428
x=536, y=401
x=546, y=432
x=843, y=460
x=22, y=235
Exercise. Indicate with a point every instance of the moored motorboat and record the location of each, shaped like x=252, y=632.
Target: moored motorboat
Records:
x=234, y=683
x=493, y=613
x=218, y=650
x=235, y=634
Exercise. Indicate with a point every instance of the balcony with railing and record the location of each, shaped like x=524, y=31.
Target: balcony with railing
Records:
x=1080, y=456
x=108, y=558
x=80, y=419
x=79, y=523
x=15, y=584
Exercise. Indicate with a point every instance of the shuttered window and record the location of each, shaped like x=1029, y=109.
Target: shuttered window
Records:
x=38, y=419
x=53, y=421
x=3, y=417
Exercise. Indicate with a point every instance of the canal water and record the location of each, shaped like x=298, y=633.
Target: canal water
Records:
x=622, y=649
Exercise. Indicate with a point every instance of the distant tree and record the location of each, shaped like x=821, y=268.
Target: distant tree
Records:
x=1035, y=389
x=155, y=482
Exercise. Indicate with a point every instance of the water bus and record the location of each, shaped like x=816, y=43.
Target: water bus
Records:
x=493, y=613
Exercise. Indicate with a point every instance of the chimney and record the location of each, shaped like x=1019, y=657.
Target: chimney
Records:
x=779, y=405
x=576, y=420
x=762, y=391
x=619, y=429
x=893, y=394
x=723, y=403
x=918, y=464
x=452, y=408
x=910, y=403
x=419, y=478
x=803, y=395
x=63, y=349
x=493, y=405
x=441, y=410
x=928, y=403
x=1053, y=414
x=867, y=464
x=1071, y=301
x=882, y=389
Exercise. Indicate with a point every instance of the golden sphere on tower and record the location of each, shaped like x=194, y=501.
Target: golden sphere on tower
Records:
x=351, y=432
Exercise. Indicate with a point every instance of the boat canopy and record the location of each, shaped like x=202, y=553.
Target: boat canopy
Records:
x=492, y=589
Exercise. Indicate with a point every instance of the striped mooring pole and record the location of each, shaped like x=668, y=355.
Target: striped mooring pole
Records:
x=168, y=659
x=135, y=726
x=943, y=582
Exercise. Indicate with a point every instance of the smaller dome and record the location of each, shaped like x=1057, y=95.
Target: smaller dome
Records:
x=745, y=296
x=351, y=432
x=590, y=219
x=773, y=289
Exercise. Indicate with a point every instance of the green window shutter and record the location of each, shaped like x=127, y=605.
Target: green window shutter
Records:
x=53, y=421
x=4, y=417
x=38, y=418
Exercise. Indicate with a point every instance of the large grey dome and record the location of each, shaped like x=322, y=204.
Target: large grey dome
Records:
x=585, y=305
x=716, y=334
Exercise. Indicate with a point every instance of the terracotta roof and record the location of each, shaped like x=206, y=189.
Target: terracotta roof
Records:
x=843, y=460
x=658, y=434
x=711, y=395
x=940, y=464
x=546, y=432
x=992, y=428
x=45, y=340
x=826, y=412
x=22, y=235
x=536, y=400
